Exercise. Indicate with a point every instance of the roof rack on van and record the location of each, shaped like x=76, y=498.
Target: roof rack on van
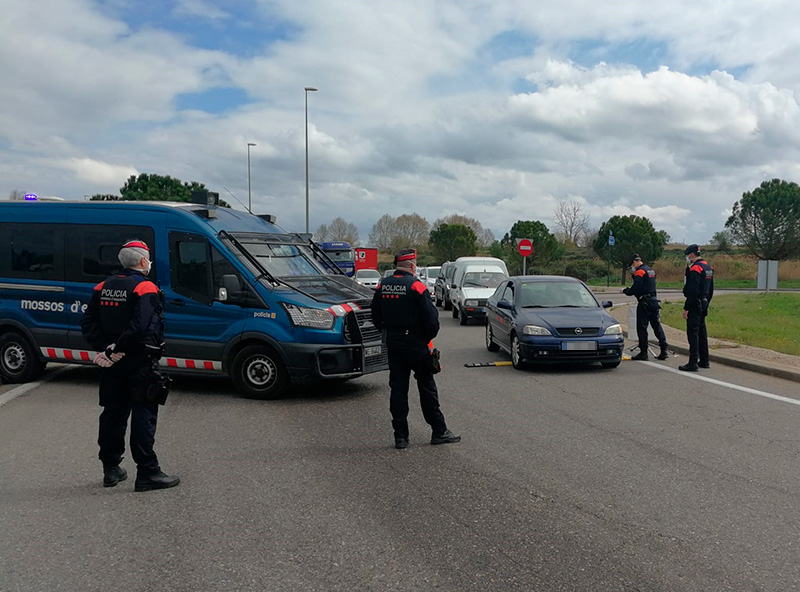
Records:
x=271, y=218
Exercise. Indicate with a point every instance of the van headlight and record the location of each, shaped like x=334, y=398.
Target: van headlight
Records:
x=535, y=330
x=614, y=330
x=312, y=318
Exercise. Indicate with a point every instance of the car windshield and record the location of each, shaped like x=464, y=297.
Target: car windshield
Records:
x=368, y=274
x=483, y=279
x=433, y=273
x=284, y=259
x=338, y=256
x=556, y=295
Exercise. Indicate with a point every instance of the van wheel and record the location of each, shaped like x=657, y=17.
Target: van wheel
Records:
x=258, y=372
x=447, y=304
x=455, y=312
x=437, y=301
x=18, y=360
x=462, y=318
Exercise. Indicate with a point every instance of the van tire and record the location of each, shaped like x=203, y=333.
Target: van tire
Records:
x=455, y=312
x=447, y=304
x=18, y=359
x=258, y=372
x=463, y=318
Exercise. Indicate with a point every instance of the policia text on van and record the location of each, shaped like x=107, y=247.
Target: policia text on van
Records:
x=242, y=296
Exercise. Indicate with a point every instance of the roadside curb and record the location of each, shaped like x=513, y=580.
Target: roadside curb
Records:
x=760, y=367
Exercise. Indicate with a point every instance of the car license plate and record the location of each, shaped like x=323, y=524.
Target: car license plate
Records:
x=372, y=351
x=579, y=345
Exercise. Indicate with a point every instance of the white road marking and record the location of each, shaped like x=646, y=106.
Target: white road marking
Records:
x=737, y=387
x=24, y=388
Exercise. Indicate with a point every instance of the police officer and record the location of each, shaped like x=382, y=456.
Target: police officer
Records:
x=124, y=322
x=403, y=309
x=647, y=311
x=698, y=288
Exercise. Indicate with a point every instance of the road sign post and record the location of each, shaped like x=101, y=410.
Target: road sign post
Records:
x=611, y=242
x=525, y=248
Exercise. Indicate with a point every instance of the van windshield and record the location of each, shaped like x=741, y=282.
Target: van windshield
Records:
x=483, y=279
x=284, y=259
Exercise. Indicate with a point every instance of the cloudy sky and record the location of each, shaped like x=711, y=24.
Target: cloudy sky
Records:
x=496, y=109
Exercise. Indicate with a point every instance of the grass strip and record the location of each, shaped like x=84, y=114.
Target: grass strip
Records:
x=770, y=321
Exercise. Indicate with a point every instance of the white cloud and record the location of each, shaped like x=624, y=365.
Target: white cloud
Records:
x=97, y=172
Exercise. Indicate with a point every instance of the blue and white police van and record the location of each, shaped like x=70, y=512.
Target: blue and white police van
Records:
x=241, y=295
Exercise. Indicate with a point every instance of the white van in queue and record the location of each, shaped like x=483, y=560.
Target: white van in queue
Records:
x=474, y=280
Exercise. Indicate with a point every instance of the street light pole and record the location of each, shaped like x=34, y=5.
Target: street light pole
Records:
x=249, y=198
x=307, y=90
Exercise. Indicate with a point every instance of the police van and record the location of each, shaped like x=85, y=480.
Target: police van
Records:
x=241, y=295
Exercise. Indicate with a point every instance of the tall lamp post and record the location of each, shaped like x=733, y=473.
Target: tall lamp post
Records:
x=307, y=90
x=249, y=198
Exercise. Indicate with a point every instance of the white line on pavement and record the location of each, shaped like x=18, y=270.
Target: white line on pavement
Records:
x=24, y=388
x=737, y=387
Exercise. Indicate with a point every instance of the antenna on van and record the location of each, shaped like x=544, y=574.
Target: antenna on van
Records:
x=236, y=198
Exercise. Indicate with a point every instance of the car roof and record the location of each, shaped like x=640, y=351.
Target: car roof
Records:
x=546, y=278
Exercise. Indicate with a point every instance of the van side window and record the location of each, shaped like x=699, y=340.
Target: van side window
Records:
x=197, y=268
x=100, y=245
x=32, y=251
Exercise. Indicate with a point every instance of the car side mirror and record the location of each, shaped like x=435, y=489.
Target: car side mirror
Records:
x=607, y=304
x=505, y=304
x=454, y=286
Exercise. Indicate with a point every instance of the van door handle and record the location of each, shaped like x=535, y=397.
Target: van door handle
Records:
x=177, y=302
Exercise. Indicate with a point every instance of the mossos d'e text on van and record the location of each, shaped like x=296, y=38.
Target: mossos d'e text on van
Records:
x=241, y=295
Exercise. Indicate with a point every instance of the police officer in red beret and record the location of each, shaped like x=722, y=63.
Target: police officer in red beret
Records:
x=698, y=288
x=403, y=309
x=647, y=311
x=124, y=322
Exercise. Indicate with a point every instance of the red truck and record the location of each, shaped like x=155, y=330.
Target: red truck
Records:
x=366, y=258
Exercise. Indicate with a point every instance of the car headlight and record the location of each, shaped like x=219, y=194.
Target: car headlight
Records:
x=471, y=303
x=313, y=318
x=614, y=330
x=535, y=330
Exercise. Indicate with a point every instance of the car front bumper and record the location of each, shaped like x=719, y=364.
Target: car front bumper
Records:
x=550, y=349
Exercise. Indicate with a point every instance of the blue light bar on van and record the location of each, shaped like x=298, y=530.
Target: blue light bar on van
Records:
x=31, y=197
x=311, y=318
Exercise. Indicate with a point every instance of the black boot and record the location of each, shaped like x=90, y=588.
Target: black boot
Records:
x=664, y=355
x=641, y=356
x=113, y=475
x=446, y=437
x=401, y=443
x=688, y=367
x=158, y=480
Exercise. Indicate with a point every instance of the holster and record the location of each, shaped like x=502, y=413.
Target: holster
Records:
x=151, y=384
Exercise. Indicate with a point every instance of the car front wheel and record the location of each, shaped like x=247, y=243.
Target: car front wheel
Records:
x=18, y=359
x=516, y=355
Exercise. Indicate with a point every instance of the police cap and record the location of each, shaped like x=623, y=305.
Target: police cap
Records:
x=634, y=257
x=692, y=249
x=405, y=255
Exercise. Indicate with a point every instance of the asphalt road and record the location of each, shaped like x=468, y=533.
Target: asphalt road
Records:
x=638, y=478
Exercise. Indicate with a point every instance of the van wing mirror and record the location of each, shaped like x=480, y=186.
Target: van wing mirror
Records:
x=607, y=304
x=231, y=288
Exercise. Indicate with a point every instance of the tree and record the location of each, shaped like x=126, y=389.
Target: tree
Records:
x=663, y=236
x=410, y=231
x=632, y=234
x=322, y=234
x=105, y=197
x=341, y=230
x=448, y=242
x=570, y=223
x=485, y=237
x=148, y=187
x=546, y=247
x=722, y=240
x=767, y=220
x=383, y=233
x=16, y=195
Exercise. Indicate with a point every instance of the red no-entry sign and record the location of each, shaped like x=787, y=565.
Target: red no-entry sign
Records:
x=525, y=247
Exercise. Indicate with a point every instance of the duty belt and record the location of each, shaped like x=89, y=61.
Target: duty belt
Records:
x=402, y=332
x=646, y=296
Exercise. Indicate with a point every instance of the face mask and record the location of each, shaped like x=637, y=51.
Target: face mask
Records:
x=688, y=259
x=149, y=267
x=633, y=269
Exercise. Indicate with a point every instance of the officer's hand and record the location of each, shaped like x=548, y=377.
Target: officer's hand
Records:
x=116, y=357
x=685, y=314
x=102, y=361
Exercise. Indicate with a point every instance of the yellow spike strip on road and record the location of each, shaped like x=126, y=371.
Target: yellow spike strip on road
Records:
x=486, y=364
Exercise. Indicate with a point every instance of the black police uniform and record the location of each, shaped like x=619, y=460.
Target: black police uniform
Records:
x=126, y=310
x=403, y=309
x=647, y=311
x=698, y=288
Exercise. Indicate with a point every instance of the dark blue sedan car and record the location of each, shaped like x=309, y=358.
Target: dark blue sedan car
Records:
x=546, y=319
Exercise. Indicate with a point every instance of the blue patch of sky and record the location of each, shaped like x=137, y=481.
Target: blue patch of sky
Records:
x=243, y=33
x=645, y=54
x=215, y=100
x=478, y=73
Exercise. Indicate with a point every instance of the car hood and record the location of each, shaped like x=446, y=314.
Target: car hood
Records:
x=477, y=292
x=565, y=317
